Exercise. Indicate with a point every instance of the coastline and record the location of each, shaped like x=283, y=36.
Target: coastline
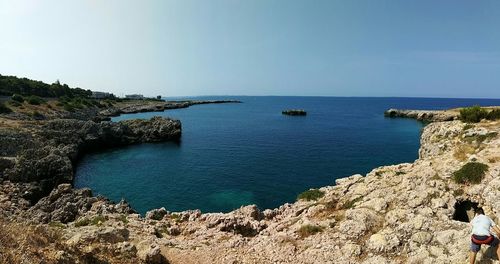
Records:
x=44, y=153
x=247, y=229
x=157, y=106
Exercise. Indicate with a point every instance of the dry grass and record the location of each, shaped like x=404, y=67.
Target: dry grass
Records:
x=22, y=243
x=309, y=230
x=463, y=151
x=27, y=244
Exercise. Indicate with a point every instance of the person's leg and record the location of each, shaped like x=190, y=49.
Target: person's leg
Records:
x=472, y=257
x=495, y=244
x=474, y=248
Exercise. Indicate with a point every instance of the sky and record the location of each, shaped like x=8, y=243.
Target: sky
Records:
x=422, y=48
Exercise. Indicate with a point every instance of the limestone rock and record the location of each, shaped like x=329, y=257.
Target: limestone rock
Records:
x=157, y=214
x=150, y=253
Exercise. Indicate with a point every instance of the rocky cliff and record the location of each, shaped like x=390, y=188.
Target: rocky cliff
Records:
x=43, y=155
x=406, y=213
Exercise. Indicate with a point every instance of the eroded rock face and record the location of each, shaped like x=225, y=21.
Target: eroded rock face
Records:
x=13, y=141
x=244, y=221
x=48, y=157
x=62, y=205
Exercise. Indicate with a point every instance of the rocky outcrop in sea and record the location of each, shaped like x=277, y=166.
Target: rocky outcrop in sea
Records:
x=294, y=112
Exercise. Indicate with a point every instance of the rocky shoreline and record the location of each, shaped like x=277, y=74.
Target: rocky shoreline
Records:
x=49, y=151
x=402, y=213
x=424, y=115
x=159, y=106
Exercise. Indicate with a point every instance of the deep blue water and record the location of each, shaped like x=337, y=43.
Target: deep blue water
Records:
x=249, y=153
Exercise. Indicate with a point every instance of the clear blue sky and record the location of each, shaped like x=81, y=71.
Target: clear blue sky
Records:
x=257, y=47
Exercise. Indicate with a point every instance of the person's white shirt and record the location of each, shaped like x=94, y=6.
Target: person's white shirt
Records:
x=481, y=225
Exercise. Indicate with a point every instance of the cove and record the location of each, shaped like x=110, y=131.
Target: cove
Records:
x=249, y=153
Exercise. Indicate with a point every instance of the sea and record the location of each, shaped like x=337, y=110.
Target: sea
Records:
x=236, y=154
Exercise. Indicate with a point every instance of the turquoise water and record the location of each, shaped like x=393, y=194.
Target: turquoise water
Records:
x=249, y=153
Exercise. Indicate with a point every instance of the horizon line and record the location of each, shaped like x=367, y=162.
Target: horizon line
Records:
x=340, y=96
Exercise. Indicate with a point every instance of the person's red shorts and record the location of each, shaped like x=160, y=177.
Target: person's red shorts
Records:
x=488, y=240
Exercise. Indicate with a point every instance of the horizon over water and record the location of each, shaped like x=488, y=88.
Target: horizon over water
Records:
x=238, y=154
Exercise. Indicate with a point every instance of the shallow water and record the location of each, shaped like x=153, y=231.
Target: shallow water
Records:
x=249, y=153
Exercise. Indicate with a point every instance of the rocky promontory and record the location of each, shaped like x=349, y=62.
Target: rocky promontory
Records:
x=424, y=115
x=156, y=106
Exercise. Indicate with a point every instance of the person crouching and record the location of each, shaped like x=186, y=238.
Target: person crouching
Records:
x=481, y=234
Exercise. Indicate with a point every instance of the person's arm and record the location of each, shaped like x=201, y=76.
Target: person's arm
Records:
x=496, y=229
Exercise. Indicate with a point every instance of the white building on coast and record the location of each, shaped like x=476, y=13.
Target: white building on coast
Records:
x=101, y=95
x=134, y=96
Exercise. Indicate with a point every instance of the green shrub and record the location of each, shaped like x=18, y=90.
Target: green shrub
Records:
x=18, y=98
x=311, y=195
x=35, y=100
x=72, y=103
x=472, y=172
x=96, y=220
x=308, y=230
x=4, y=109
x=69, y=107
x=472, y=114
x=82, y=222
x=123, y=218
x=493, y=114
x=57, y=224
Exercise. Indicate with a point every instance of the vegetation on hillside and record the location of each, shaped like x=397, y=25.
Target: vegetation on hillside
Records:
x=472, y=172
x=35, y=100
x=96, y=220
x=311, y=195
x=72, y=104
x=493, y=114
x=23, y=90
x=472, y=114
x=18, y=98
x=475, y=114
x=10, y=85
x=308, y=230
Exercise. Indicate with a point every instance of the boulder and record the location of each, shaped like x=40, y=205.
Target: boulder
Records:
x=150, y=253
x=63, y=205
x=157, y=214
